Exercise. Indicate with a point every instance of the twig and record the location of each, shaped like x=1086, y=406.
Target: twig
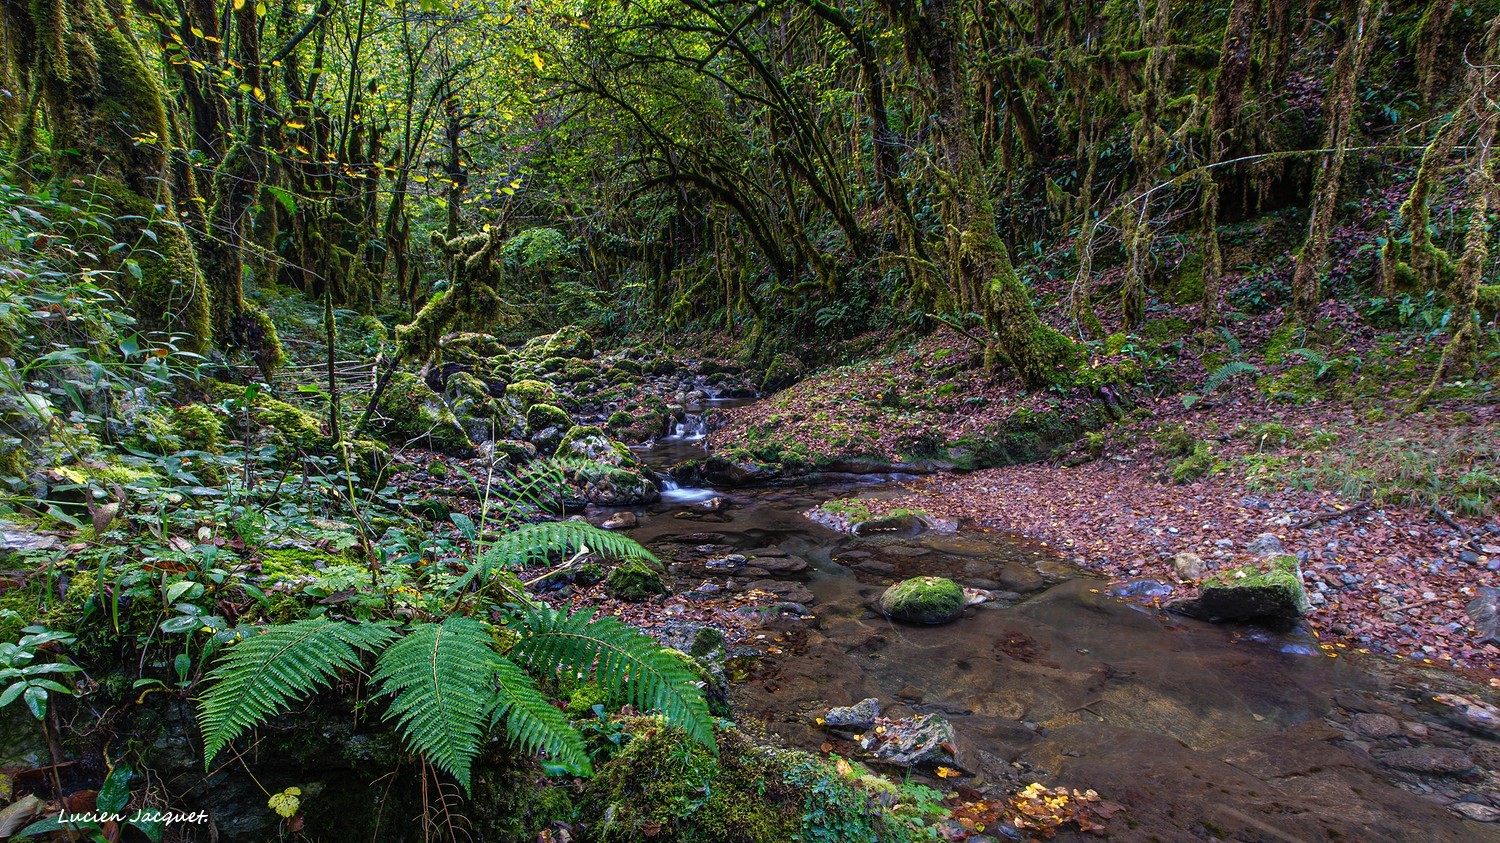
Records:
x=1447, y=519
x=1330, y=516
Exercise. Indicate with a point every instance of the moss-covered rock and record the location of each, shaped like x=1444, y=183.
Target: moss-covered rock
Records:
x=270, y=420
x=542, y=416
x=591, y=443
x=784, y=371
x=571, y=341
x=612, y=485
x=1272, y=593
x=530, y=392
x=1200, y=462
x=416, y=415
x=634, y=581
x=197, y=427
x=924, y=600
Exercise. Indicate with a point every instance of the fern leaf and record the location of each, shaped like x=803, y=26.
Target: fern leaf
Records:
x=1225, y=372
x=441, y=679
x=621, y=659
x=531, y=544
x=533, y=723
x=261, y=676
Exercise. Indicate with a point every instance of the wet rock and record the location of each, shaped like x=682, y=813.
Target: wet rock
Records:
x=789, y=565
x=1273, y=594
x=924, y=600
x=787, y=590
x=1141, y=589
x=733, y=561
x=1375, y=726
x=1477, y=812
x=17, y=539
x=1484, y=611
x=1189, y=566
x=715, y=504
x=877, y=567
x=621, y=521
x=1017, y=577
x=1430, y=760
x=858, y=717
x=924, y=741
x=1474, y=715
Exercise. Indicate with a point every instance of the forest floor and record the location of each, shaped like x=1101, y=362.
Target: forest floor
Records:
x=1391, y=514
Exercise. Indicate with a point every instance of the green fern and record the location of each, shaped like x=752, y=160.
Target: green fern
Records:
x=1225, y=372
x=618, y=657
x=533, y=723
x=1316, y=359
x=440, y=677
x=262, y=675
x=532, y=544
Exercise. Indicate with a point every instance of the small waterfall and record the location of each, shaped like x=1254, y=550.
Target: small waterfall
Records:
x=673, y=492
x=691, y=427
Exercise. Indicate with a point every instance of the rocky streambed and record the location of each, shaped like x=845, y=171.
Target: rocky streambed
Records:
x=1199, y=731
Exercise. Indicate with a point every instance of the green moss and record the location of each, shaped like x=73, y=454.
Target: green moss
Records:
x=197, y=427
x=634, y=581
x=1173, y=440
x=296, y=565
x=1281, y=573
x=592, y=443
x=619, y=420
x=571, y=341
x=285, y=425
x=1187, y=287
x=530, y=392
x=1195, y=465
x=662, y=786
x=543, y=416
x=416, y=414
x=924, y=600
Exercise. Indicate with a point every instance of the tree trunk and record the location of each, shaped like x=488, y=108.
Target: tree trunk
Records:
x=1343, y=79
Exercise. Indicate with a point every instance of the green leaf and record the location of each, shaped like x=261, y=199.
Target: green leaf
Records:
x=115, y=791
x=441, y=676
x=260, y=676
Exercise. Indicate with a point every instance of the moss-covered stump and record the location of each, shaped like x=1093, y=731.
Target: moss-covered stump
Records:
x=1272, y=594
x=634, y=582
x=416, y=415
x=924, y=600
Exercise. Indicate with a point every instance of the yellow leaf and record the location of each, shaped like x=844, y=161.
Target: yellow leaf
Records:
x=536, y=59
x=239, y=4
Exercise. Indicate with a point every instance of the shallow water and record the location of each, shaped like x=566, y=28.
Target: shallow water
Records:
x=1203, y=732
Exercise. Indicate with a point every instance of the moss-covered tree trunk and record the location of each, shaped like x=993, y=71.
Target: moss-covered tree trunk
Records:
x=982, y=279
x=109, y=135
x=1362, y=17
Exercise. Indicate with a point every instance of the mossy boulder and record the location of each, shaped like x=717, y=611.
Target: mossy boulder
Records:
x=634, y=581
x=542, y=416
x=591, y=443
x=924, y=600
x=784, y=371
x=529, y=392
x=197, y=427
x=482, y=416
x=369, y=458
x=612, y=485
x=1271, y=593
x=571, y=341
x=416, y=415
x=271, y=420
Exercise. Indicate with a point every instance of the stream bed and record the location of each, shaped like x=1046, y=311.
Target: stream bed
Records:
x=1203, y=732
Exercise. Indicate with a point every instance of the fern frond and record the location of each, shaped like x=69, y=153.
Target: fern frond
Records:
x=441, y=679
x=1314, y=357
x=620, y=659
x=261, y=676
x=533, y=723
x=1225, y=372
x=532, y=544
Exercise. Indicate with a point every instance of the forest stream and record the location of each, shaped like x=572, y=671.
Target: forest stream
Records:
x=1195, y=726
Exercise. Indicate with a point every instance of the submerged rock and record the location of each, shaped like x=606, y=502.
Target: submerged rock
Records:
x=1484, y=611
x=1430, y=760
x=1273, y=594
x=924, y=600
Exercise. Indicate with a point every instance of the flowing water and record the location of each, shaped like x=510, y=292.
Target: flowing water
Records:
x=1204, y=732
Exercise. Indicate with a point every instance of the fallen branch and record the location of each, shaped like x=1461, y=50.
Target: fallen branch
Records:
x=1329, y=516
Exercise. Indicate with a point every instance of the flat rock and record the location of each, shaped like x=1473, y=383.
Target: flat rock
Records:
x=794, y=592
x=17, y=539
x=1431, y=760
x=780, y=565
x=1477, y=812
x=1017, y=577
x=924, y=741
x=1375, y=726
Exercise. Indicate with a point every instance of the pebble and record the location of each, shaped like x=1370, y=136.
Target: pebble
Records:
x=1373, y=725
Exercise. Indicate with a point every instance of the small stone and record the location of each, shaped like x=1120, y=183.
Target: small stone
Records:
x=1375, y=726
x=1264, y=545
x=1469, y=556
x=859, y=716
x=725, y=563
x=1189, y=566
x=621, y=521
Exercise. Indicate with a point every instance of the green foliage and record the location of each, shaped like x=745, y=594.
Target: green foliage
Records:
x=617, y=657
x=262, y=675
